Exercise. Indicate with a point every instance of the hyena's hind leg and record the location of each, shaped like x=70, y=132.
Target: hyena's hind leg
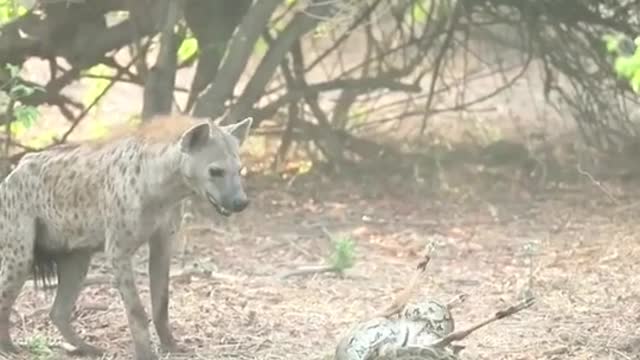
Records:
x=71, y=270
x=17, y=238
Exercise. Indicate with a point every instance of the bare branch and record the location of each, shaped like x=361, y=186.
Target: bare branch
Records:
x=302, y=23
x=461, y=334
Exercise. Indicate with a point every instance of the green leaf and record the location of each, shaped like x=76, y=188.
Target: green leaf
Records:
x=358, y=114
x=17, y=129
x=188, y=48
x=419, y=11
x=626, y=66
x=13, y=70
x=10, y=9
x=20, y=91
x=26, y=115
x=321, y=31
x=611, y=43
x=261, y=46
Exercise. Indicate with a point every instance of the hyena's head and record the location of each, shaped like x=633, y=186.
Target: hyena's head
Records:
x=211, y=163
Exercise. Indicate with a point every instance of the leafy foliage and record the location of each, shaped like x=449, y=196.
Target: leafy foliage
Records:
x=625, y=65
x=9, y=10
x=25, y=116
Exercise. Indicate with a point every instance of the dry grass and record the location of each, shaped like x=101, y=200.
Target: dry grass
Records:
x=571, y=250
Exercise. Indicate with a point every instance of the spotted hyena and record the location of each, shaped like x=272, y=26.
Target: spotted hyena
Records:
x=58, y=207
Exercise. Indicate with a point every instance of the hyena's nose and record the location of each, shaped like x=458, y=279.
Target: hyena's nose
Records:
x=240, y=204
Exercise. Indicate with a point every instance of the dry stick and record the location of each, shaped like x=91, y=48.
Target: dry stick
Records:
x=311, y=269
x=120, y=73
x=405, y=295
x=597, y=183
x=456, y=301
x=308, y=270
x=460, y=335
x=178, y=275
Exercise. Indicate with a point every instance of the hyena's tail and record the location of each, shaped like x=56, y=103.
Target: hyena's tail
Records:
x=44, y=264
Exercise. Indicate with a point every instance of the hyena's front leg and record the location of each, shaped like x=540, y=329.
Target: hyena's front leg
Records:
x=16, y=258
x=159, y=265
x=72, y=270
x=121, y=260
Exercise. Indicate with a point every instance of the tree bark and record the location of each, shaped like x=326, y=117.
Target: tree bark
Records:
x=211, y=103
x=212, y=23
x=158, y=89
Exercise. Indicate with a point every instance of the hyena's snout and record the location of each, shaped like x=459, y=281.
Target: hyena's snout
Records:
x=239, y=202
x=235, y=200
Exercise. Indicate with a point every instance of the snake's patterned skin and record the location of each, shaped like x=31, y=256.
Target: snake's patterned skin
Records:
x=416, y=353
x=437, y=316
x=403, y=338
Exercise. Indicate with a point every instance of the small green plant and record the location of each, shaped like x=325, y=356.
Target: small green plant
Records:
x=341, y=258
x=530, y=251
x=343, y=255
x=39, y=348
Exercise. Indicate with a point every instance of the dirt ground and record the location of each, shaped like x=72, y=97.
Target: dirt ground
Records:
x=575, y=250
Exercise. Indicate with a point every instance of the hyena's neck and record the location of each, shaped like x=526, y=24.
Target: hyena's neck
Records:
x=163, y=182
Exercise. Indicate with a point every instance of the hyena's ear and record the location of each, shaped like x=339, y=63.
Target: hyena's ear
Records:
x=240, y=130
x=196, y=137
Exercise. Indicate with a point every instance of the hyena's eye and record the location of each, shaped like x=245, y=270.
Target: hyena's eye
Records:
x=216, y=172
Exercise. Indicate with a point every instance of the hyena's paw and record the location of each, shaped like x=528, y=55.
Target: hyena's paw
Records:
x=85, y=350
x=146, y=356
x=172, y=346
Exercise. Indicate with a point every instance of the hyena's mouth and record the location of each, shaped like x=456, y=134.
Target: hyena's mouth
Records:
x=219, y=208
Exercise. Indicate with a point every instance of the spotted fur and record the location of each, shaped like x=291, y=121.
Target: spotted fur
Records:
x=417, y=353
x=59, y=207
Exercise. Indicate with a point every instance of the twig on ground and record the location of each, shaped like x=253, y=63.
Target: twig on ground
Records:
x=460, y=335
x=180, y=275
x=625, y=207
x=597, y=183
x=457, y=301
x=405, y=295
x=308, y=270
